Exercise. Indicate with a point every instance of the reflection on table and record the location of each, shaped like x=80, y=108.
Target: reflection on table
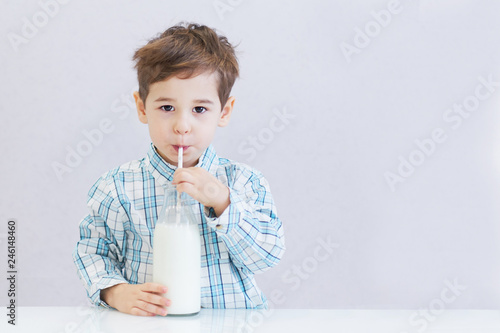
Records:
x=90, y=319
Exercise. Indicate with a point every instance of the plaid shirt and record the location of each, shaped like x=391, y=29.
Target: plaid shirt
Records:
x=116, y=238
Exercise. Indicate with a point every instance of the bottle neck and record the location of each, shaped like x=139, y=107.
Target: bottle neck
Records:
x=177, y=208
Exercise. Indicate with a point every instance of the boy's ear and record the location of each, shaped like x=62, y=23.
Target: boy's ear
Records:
x=141, y=110
x=226, y=112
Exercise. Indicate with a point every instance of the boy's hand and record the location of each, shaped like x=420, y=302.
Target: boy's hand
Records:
x=137, y=299
x=203, y=187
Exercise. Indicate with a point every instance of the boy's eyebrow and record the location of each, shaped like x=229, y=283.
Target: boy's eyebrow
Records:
x=168, y=99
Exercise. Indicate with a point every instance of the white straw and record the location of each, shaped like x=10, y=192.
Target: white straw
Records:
x=179, y=157
x=179, y=165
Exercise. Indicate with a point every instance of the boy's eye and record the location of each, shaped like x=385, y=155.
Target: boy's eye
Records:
x=199, y=109
x=167, y=107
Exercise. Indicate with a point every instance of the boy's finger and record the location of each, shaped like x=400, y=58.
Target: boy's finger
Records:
x=151, y=308
x=154, y=299
x=182, y=177
x=189, y=189
x=181, y=172
x=141, y=312
x=154, y=287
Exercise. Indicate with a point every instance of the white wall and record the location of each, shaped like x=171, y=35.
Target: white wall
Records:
x=354, y=117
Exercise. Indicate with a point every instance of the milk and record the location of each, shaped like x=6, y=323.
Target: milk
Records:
x=176, y=265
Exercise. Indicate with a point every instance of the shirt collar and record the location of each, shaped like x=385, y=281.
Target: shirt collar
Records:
x=163, y=171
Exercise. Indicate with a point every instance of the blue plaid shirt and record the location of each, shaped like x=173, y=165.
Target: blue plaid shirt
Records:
x=116, y=238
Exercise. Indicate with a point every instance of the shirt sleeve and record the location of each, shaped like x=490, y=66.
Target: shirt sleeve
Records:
x=250, y=227
x=97, y=255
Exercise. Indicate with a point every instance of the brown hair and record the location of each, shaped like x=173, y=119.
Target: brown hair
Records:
x=186, y=50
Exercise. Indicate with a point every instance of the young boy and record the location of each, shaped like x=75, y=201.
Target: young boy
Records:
x=185, y=78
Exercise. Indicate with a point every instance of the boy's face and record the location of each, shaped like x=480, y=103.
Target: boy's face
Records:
x=183, y=112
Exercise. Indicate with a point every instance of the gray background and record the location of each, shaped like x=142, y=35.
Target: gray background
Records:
x=354, y=118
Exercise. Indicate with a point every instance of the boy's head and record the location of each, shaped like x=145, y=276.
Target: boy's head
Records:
x=186, y=50
x=185, y=78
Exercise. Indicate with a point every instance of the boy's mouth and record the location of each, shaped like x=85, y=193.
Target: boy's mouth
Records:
x=176, y=147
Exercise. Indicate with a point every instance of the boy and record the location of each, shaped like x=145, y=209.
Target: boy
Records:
x=185, y=78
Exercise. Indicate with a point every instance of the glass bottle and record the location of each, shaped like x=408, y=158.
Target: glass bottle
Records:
x=177, y=252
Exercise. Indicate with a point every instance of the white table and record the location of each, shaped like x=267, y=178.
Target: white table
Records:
x=87, y=319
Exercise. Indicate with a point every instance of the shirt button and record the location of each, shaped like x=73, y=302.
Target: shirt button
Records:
x=218, y=227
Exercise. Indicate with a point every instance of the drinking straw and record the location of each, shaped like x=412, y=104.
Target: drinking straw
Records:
x=179, y=165
x=179, y=157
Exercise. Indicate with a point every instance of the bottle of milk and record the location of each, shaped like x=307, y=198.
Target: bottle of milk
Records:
x=177, y=252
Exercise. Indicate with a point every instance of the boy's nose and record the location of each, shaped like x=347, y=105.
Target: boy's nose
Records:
x=181, y=125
